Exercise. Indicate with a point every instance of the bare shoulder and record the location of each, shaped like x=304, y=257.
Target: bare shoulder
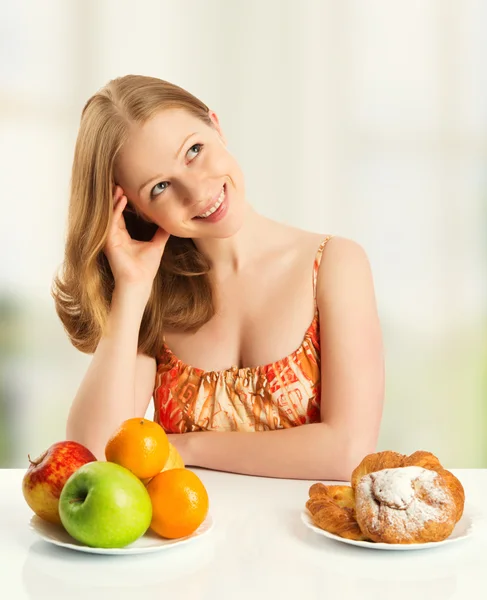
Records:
x=345, y=272
x=304, y=241
x=339, y=250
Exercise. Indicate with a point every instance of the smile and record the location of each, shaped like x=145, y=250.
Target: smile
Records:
x=214, y=207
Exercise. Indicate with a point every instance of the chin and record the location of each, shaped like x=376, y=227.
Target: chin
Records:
x=229, y=230
x=228, y=226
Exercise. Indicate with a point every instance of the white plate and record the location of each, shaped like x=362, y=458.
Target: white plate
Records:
x=462, y=530
x=149, y=542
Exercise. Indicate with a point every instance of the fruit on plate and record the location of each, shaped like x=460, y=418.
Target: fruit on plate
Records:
x=139, y=445
x=179, y=503
x=104, y=505
x=46, y=475
x=174, y=461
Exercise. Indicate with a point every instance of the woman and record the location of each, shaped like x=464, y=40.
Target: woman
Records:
x=184, y=293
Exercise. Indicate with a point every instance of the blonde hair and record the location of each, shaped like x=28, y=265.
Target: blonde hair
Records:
x=181, y=296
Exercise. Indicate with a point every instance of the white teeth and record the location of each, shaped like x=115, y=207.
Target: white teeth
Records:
x=216, y=206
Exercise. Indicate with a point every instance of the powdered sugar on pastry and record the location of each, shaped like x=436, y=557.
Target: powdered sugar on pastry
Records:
x=394, y=487
x=404, y=499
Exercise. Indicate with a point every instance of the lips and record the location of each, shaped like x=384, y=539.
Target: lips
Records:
x=214, y=205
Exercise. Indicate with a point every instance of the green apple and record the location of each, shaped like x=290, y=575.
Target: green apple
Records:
x=104, y=505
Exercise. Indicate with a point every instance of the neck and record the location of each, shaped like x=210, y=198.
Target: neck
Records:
x=229, y=256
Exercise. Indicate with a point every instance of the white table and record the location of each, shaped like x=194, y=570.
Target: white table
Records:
x=258, y=548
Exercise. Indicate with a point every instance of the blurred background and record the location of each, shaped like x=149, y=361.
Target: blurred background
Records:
x=363, y=119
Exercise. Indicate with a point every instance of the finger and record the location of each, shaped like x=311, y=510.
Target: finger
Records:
x=117, y=221
x=119, y=208
x=160, y=238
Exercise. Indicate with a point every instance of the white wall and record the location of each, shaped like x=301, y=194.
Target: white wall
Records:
x=366, y=119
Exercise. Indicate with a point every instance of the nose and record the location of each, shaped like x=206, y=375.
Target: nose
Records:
x=195, y=189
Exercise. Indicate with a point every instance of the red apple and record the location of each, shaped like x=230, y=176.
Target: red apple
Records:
x=45, y=478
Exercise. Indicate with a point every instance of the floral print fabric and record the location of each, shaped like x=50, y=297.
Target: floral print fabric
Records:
x=282, y=394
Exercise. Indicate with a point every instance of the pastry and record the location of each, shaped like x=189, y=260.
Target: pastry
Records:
x=429, y=461
x=332, y=508
x=393, y=498
x=342, y=495
x=405, y=505
x=376, y=462
x=390, y=460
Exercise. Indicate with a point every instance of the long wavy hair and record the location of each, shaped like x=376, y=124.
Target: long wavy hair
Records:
x=181, y=297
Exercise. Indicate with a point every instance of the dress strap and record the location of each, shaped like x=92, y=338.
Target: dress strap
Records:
x=316, y=265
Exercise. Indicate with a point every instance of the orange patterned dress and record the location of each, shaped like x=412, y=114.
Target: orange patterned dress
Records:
x=281, y=394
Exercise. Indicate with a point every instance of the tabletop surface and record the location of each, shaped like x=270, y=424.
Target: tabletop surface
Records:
x=258, y=548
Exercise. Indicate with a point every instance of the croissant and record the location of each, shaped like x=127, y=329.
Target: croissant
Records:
x=393, y=498
x=405, y=505
x=342, y=495
x=332, y=508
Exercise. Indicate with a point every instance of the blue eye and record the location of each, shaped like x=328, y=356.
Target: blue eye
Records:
x=155, y=192
x=162, y=185
x=196, y=148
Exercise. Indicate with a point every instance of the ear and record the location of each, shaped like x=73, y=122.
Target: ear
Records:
x=117, y=193
x=216, y=125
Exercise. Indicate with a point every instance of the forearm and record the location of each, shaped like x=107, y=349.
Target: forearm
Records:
x=106, y=396
x=314, y=451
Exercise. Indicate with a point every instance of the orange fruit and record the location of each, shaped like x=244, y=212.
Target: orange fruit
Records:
x=174, y=461
x=139, y=445
x=179, y=503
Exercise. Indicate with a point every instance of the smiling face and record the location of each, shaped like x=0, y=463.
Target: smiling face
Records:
x=176, y=170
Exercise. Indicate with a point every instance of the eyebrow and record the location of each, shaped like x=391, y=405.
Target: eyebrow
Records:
x=175, y=156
